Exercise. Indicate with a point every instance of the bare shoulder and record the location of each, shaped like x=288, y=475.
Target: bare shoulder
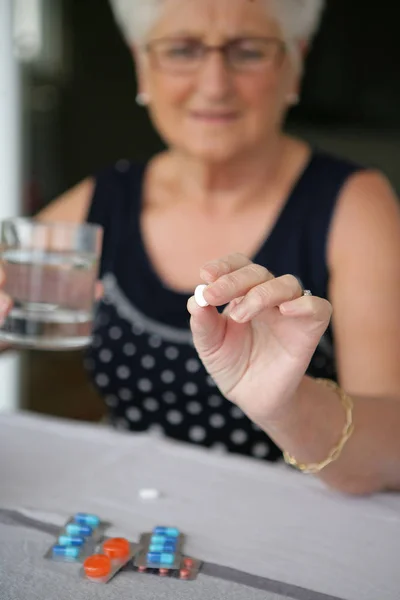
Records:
x=364, y=261
x=72, y=206
x=368, y=212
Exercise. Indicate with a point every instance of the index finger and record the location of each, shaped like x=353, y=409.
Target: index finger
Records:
x=214, y=269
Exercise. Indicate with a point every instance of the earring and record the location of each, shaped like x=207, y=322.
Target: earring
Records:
x=293, y=98
x=142, y=99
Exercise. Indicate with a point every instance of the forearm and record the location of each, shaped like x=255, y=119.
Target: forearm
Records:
x=313, y=424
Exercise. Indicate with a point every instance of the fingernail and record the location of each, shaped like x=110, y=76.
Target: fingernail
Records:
x=191, y=304
x=238, y=313
x=209, y=272
x=286, y=307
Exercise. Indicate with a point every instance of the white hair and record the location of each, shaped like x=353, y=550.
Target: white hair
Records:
x=299, y=19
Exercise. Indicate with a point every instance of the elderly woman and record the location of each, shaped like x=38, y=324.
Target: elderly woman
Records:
x=217, y=78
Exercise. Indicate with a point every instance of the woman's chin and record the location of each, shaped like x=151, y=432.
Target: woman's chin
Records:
x=214, y=153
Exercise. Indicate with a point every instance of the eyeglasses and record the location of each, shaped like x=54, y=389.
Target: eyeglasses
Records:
x=185, y=56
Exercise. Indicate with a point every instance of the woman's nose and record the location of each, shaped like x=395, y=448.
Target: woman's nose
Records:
x=214, y=77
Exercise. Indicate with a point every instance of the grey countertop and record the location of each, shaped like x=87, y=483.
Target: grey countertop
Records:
x=264, y=531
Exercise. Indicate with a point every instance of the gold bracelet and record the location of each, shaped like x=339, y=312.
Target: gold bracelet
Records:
x=348, y=429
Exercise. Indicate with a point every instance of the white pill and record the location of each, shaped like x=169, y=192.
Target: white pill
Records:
x=149, y=494
x=199, y=297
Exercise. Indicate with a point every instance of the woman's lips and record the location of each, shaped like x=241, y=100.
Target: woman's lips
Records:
x=214, y=116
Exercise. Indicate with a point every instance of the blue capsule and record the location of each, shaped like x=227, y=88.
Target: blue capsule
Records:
x=160, y=558
x=168, y=531
x=162, y=539
x=162, y=547
x=67, y=551
x=85, y=519
x=69, y=540
x=78, y=530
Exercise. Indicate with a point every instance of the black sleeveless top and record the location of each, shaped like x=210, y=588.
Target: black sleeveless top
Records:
x=142, y=359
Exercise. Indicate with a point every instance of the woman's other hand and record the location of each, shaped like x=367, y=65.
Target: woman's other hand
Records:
x=5, y=300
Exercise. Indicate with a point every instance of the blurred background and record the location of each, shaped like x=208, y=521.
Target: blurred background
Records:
x=74, y=112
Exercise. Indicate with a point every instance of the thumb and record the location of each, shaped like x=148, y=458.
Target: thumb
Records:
x=208, y=329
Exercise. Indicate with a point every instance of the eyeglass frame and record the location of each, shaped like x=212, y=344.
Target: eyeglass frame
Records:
x=222, y=49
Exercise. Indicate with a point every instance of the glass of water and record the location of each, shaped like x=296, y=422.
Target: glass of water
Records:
x=50, y=274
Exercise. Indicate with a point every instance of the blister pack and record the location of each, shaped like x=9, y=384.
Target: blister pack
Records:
x=78, y=538
x=161, y=553
x=111, y=556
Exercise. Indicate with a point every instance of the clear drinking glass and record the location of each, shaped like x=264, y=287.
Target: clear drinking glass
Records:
x=50, y=274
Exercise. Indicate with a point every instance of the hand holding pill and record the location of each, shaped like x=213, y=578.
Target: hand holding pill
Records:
x=268, y=332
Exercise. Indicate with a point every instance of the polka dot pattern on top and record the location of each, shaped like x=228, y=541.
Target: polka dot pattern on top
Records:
x=148, y=383
x=142, y=360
